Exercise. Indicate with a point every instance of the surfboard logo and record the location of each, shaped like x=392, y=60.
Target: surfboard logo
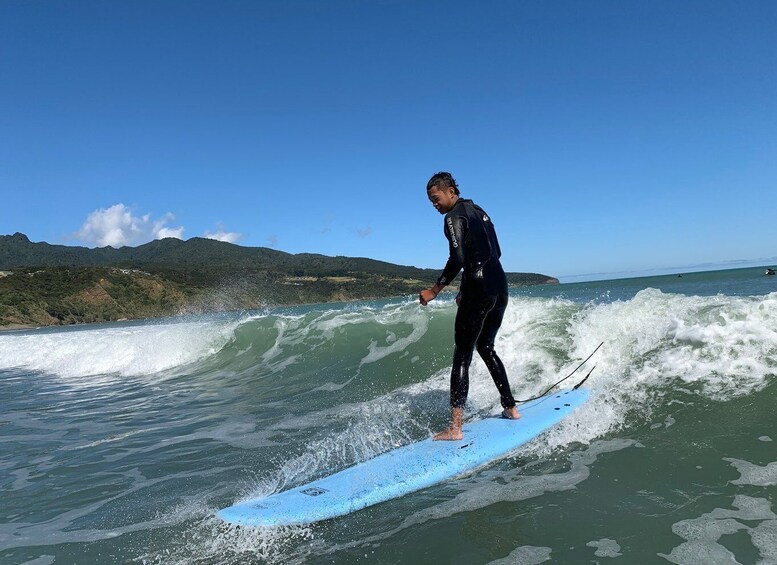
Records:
x=265, y=504
x=314, y=491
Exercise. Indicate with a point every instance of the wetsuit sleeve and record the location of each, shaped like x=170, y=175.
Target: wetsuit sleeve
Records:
x=455, y=232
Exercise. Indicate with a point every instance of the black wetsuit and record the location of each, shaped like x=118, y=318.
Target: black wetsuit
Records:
x=475, y=248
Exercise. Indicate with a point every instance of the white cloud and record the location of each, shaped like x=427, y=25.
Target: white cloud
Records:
x=170, y=232
x=364, y=232
x=222, y=235
x=117, y=226
x=272, y=240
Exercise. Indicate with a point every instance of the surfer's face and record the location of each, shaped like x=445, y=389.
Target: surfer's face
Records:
x=442, y=199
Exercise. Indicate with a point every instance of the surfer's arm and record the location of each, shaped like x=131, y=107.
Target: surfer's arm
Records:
x=455, y=231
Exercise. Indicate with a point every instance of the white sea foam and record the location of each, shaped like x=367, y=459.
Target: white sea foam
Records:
x=703, y=533
x=724, y=343
x=525, y=555
x=764, y=538
x=752, y=474
x=417, y=319
x=725, y=346
x=605, y=548
x=127, y=351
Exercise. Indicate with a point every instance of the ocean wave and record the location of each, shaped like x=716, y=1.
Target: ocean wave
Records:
x=658, y=348
x=724, y=345
x=146, y=349
x=292, y=395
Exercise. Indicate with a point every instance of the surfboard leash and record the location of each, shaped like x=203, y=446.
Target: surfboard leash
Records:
x=578, y=385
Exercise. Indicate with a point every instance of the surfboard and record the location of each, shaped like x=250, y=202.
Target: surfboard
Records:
x=405, y=469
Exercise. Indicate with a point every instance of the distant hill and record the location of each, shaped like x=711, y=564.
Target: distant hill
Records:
x=46, y=284
x=18, y=251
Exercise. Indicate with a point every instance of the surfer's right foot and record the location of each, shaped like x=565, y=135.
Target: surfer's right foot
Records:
x=449, y=435
x=453, y=432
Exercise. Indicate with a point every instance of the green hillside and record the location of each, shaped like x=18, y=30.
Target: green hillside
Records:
x=44, y=284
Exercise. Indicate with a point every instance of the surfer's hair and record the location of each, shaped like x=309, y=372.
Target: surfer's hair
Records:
x=442, y=180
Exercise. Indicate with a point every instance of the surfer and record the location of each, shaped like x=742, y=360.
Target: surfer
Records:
x=482, y=300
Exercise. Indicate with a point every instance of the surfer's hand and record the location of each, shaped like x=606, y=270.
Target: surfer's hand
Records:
x=426, y=296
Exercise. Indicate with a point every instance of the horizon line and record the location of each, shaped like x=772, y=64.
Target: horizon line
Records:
x=657, y=271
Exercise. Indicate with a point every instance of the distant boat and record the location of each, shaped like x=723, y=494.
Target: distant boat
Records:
x=770, y=271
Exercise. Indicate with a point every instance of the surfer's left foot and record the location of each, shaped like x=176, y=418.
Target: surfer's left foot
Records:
x=511, y=413
x=449, y=435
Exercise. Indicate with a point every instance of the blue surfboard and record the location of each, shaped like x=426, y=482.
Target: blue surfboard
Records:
x=405, y=469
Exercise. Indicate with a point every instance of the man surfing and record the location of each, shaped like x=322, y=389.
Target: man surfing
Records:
x=473, y=247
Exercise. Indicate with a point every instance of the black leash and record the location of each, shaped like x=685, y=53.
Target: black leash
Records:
x=578, y=385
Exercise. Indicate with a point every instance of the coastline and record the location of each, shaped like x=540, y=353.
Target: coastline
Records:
x=13, y=327
x=67, y=296
x=20, y=327
x=451, y=289
x=66, y=286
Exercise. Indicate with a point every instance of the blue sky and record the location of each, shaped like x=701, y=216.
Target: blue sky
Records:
x=602, y=137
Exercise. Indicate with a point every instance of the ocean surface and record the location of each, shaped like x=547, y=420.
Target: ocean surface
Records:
x=119, y=442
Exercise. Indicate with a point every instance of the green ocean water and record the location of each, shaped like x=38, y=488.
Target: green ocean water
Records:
x=118, y=443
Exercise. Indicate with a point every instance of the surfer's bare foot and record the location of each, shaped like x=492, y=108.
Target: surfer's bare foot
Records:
x=453, y=432
x=449, y=435
x=511, y=413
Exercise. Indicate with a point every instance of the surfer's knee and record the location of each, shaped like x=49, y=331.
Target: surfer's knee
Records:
x=485, y=349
